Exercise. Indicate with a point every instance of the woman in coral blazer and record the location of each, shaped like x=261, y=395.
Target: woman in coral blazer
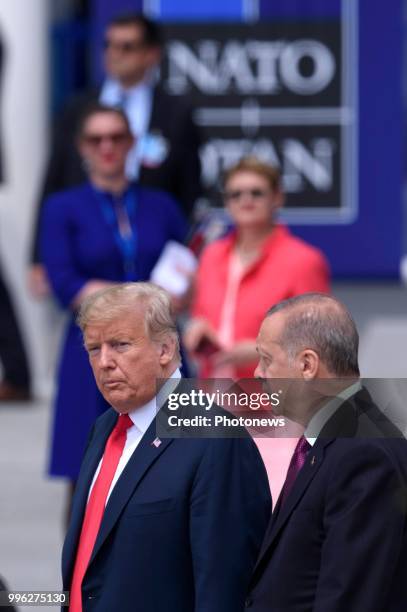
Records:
x=243, y=274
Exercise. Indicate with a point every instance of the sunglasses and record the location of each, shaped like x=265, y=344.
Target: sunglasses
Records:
x=238, y=194
x=116, y=138
x=123, y=47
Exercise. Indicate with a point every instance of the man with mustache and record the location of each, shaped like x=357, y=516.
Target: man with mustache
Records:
x=337, y=540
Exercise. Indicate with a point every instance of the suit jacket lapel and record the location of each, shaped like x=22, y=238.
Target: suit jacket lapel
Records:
x=143, y=457
x=88, y=469
x=157, y=110
x=343, y=423
x=281, y=515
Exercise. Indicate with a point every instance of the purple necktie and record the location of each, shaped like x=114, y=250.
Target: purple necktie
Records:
x=296, y=463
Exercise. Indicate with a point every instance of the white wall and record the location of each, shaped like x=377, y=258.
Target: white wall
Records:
x=380, y=313
x=24, y=111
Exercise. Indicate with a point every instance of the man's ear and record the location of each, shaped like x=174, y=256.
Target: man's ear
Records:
x=309, y=364
x=166, y=351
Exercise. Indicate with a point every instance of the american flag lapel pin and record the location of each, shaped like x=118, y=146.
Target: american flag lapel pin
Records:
x=156, y=442
x=313, y=460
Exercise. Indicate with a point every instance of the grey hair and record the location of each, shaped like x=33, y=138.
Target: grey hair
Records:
x=322, y=323
x=111, y=303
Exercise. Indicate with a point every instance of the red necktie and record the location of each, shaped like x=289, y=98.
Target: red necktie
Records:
x=96, y=507
x=296, y=463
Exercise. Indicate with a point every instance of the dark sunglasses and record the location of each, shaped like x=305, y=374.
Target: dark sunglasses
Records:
x=116, y=138
x=124, y=47
x=233, y=196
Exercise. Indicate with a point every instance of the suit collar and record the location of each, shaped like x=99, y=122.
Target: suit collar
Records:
x=146, y=453
x=158, y=109
x=281, y=515
x=343, y=423
x=143, y=457
x=325, y=413
x=90, y=462
x=111, y=91
x=278, y=234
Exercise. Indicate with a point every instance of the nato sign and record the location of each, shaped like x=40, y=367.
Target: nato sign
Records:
x=283, y=91
x=314, y=86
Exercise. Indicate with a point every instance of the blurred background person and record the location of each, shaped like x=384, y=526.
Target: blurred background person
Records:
x=241, y=275
x=104, y=231
x=15, y=383
x=164, y=154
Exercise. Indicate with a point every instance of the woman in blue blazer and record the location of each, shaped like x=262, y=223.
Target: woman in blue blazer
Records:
x=104, y=231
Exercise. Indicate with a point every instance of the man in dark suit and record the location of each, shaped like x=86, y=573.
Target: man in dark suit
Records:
x=156, y=524
x=166, y=151
x=337, y=540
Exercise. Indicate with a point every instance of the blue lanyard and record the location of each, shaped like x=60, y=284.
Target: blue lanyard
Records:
x=119, y=213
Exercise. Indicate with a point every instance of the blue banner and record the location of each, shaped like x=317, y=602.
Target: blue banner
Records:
x=180, y=10
x=331, y=118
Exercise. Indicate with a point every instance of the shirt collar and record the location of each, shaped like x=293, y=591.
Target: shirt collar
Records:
x=112, y=91
x=278, y=233
x=108, y=194
x=323, y=415
x=168, y=387
x=142, y=417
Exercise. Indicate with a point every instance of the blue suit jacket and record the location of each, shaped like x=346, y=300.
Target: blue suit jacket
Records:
x=339, y=543
x=182, y=528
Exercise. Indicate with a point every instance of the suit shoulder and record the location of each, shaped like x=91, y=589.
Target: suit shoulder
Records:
x=105, y=419
x=162, y=206
x=371, y=453
x=175, y=104
x=302, y=250
x=68, y=198
x=376, y=421
x=216, y=249
x=79, y=102
x=157, y=197
x=72, y=193
x=222, y=449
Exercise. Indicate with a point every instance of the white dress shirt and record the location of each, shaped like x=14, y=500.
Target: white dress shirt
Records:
x=136, y=102
x=142, y=418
